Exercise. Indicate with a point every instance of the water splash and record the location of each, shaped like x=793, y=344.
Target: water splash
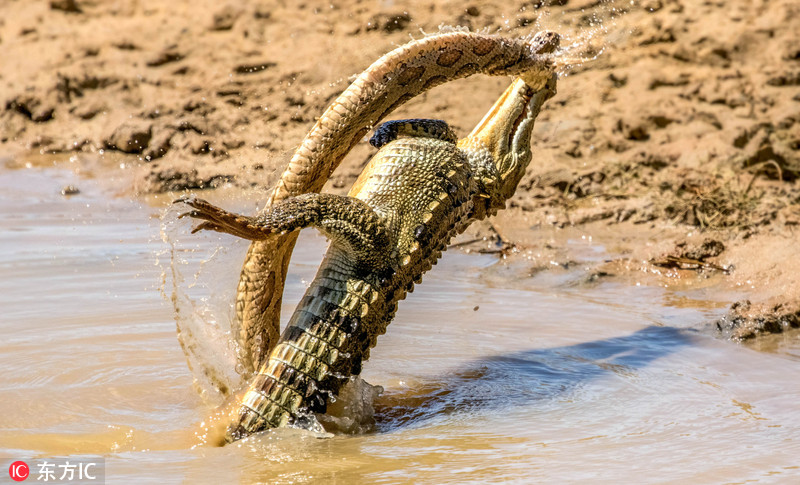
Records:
x=588, y=31
x=354, y=410
x=198, y=278
x=199, y=281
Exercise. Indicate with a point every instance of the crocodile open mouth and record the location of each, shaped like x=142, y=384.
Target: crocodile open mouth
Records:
x=526, y=96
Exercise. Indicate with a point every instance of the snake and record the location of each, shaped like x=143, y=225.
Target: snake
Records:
x=388, y=83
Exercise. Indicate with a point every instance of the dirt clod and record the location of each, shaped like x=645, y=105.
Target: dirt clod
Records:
x=164, y=57
x=225, y=18
x=746, y=320
x=389, y=22
x=130, y=137
x=70, y=6
x=34, y=108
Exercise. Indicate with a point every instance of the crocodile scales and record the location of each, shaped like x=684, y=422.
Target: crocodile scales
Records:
x=420, y=189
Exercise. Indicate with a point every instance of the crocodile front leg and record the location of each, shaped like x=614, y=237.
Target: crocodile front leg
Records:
x=340, y=316
x=351, y=225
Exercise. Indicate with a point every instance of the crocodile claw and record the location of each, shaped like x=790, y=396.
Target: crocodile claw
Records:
x=219, y=220
x=206, y=226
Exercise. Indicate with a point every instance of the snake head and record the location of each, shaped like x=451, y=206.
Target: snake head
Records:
x=545, y=42
x=543, y=45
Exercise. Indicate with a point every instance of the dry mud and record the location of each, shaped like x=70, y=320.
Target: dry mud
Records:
x=677, y=144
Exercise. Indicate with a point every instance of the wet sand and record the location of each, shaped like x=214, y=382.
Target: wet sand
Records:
x=679, y=144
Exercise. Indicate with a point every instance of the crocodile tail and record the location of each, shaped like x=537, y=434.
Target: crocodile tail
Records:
x=321, y=347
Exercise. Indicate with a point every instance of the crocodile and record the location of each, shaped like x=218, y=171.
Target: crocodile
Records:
x=421, y=188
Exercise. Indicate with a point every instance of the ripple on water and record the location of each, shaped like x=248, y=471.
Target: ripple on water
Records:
x=544, y=382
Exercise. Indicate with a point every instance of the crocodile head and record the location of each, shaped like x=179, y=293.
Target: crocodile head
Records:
x=503, y=138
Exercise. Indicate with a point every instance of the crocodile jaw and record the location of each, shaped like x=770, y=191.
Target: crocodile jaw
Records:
x=503, y=138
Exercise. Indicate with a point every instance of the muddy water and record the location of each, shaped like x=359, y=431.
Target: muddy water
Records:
x=490, y=374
